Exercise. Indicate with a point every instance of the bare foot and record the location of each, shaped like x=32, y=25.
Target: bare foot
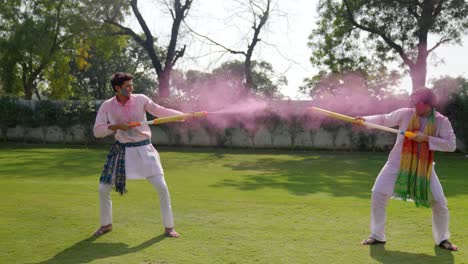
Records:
x=103, y=229
x=171, y=232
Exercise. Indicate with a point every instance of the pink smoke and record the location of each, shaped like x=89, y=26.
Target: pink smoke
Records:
x=229, y=105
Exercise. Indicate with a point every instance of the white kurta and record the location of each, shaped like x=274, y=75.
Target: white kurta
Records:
x=143, y=161
x=443, y=140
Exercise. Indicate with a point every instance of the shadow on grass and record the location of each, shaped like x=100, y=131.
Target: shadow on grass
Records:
x=301, y=173
x=339, y=175
x=380, y=254
x=47, y=162
x=86, y=251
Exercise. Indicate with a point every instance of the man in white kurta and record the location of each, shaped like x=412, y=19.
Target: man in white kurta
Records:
x=141, y=158
x=443, y=140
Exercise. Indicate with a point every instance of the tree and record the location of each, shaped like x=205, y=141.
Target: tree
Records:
x=34, y=34
x=98, y=58
x=46, y=113
x=267, y=82
x=294, y=126
x=67, y=117
x=258, y=13
x=373, y=82
x=358, y=32
x=446, y=88
x=272, y=122
x=8, y=115
x=163, y=59
x=456, y=110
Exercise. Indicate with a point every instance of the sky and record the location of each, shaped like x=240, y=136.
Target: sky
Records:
x=284, y=39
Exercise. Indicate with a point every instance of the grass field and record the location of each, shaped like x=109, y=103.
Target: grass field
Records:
x=230, y=206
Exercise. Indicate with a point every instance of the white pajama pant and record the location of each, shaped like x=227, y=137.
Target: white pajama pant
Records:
x=159, y=184
x=440, y=212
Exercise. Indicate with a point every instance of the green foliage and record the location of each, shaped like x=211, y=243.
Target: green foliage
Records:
x=363, y=140
x=37, y=34
x=272, y=122
x=218, y=136
x=60, y=80
x=86, y=116
x=173, y=133
x=358, y=35
x=457, y=111
x=8, y=111
x=26, y=119
x=375, y=83
x=266, y=82
x=100, y=57
x=295, y=126
x=26, y=116
x=8, y=114
x=46, y=113
x=333, y=127
x=67, y=117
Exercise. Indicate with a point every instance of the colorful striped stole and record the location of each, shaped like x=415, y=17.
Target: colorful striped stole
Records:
x=414, y=177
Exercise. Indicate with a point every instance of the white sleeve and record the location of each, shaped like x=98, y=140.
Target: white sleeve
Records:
x=445, y=140
x=389, y=120
x=159, y=111
x=101, y=125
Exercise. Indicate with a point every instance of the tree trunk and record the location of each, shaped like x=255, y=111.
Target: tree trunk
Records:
x=418, y=71
x=163, y=87
x=418, y=76
x=248, y=74
x=28, y=90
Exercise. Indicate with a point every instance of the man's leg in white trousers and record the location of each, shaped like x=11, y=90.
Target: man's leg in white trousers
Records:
x=378, y=215
x=440, y=212
x=105, y=203
x=159, y=183
x=105, y=208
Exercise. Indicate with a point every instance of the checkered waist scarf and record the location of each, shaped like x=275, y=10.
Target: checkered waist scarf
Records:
x=414, y=177
x=115, y=162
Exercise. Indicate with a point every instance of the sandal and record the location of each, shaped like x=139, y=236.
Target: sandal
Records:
x=448, y=246
x=371, y=241
x=170, y=232
x=102, y=230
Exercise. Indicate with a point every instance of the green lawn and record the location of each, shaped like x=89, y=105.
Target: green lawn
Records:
x=230, y=206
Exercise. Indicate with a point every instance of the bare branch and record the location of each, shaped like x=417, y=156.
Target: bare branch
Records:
x=179, y=12
x=253, y=5
x=142, y=22
x=440, y=42
x=125, y=31
x=257, y=28
x=186, y=7
x=215, y=42
x=168, y=6
x=179, y=54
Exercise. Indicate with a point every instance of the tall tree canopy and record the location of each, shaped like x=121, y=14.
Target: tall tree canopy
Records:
x=353, y=33
x=163, y=57
x=230, y=77
x=36, y=37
